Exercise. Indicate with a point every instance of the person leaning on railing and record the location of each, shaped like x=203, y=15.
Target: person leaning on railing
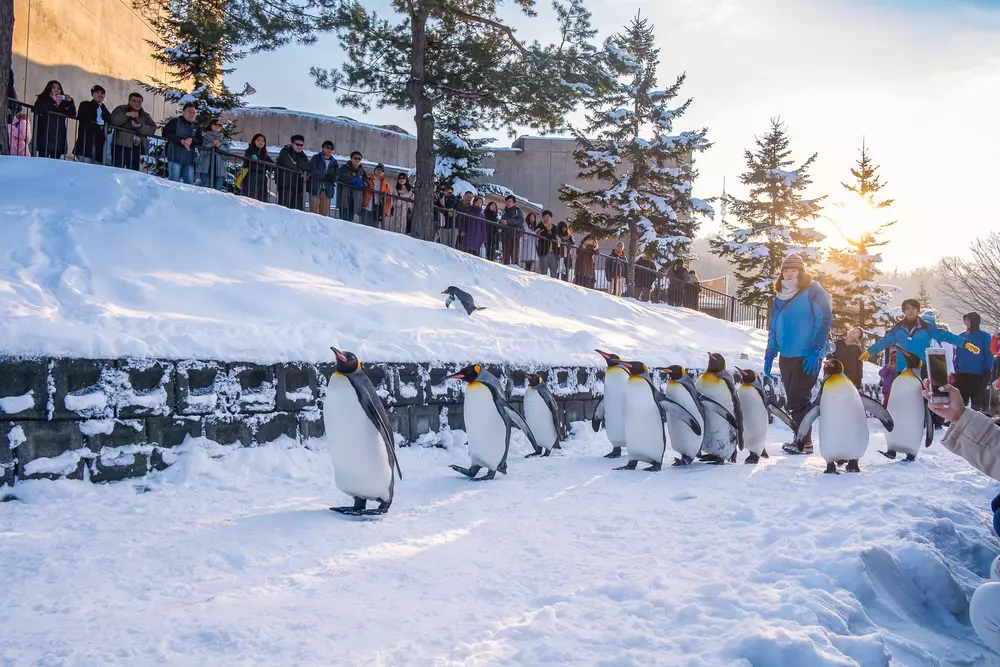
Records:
x=183, y=137
x=512, y=219
x=91, y=132
x=256, y=159
x=293, y=165
x=352, y=178
x=52, y=108
x=616, y=269
x=585, y=260
x=209, y=174
x=132, y=128
x=323, y=169
x=402, y=204
x=645, y=274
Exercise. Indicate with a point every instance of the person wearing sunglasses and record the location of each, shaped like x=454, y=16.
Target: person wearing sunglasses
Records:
x=293, y=165
x=352, y=178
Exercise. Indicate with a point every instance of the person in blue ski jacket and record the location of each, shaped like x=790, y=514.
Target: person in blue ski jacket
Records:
x=972, y=371
x=915, y=334
x=800, y=326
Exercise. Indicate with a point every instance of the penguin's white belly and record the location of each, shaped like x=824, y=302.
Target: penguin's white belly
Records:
x=720, y=438
x=539, y=419
x=643, y=424
x=484, y=426
x=843, y=425
x=614, y=405
x=906, y=406
x=361, y=466
x=682, y=439
x=754, y=420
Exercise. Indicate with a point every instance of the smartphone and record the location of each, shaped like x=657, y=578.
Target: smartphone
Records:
x=937, y=371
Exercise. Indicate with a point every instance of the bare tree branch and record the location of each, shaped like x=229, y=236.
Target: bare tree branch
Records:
x=974, y=283
x=499, y=26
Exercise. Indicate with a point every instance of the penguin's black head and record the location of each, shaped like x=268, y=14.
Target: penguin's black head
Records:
x=468, y=374
x=635, y=367
x=746, y=377
x=450, y=291
x=912, y=360
x=533, y=379
x=673, y=373
x=833, y=366
x=716, y=363
x=346, y=361
x=612, y=359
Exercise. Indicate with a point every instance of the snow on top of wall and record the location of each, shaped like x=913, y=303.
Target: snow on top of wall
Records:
x=104, y=262
x=271, y=111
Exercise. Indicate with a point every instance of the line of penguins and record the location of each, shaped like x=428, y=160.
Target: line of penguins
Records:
x=707, y=419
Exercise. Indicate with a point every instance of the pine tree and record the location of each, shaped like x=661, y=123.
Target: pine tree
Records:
x=858, y=298
x=459, y=156
x=643, y=184
x=460, y=55
x=771, y=221
x=924, y=297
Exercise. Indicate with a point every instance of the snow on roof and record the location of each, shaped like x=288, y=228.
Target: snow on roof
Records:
x=274, y=111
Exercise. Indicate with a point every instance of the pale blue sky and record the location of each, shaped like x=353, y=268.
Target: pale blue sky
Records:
x=919, y=78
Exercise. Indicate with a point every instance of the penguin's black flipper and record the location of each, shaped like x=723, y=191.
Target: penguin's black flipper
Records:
x=598, y=419
x=928, y=426
x=720, y=410
x=805, y=427
x=513, y=417
x=780, y=415
x=672, y=407
x=875, y=409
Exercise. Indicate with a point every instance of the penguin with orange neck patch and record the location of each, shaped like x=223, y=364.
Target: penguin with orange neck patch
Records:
x=723, y=413
x=843, y=429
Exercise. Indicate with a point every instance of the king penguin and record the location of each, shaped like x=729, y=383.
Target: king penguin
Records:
x=359, y=438
x=645, y=414
x=723, y=414
x=909, y=412
x=541, y=412
x=488, y=420
x=843, y=429
x=753, y=402
x=684, y=440
x=611, y=410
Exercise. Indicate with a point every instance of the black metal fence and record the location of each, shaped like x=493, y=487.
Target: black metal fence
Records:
x=384, y=204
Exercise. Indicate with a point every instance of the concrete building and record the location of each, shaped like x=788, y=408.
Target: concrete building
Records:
x=80, y=43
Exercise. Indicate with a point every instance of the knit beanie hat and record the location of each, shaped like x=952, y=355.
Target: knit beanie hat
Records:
x=793, y=262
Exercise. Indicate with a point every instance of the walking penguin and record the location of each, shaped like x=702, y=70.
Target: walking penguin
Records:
x=611, y=409
x=756, y=417
x=843, y=428
x=359, y=438
x=910, y=414
x=488, y=420
x=684, y=440
x=723, y=414
x=464, y=298
x=541, y=412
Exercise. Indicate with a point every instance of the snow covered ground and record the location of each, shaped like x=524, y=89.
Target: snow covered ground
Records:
x=230, y=557
x=101, y=262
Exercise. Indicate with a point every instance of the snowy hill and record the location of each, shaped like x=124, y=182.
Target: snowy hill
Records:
x=107, y=263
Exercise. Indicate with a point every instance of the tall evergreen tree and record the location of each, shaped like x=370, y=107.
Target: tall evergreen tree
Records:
x=771, y=221
x=924, y=297
x=459, y=156
x=642, y=183
x=858, y=297
x=460, y=54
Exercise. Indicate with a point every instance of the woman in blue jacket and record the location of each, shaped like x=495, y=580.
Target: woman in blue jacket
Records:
x=914, y=334
x=800, y=325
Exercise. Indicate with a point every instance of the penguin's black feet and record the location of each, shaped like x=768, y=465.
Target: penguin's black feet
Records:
x=890, y=454
x=732, y=459
x=655, y=467
x=614, y=453
x=831, y=468
x=534, y=454
x=910, y=458
x=712, y=459
x=852, y=466
x=557, y=446
x=682, y=461
x=765, y=455
x=752, y=458
x=359, y=507
x=468, y=472
x=488, y=476
x=548, y=453
x=502, y=468
x=382, y=508
x=628, y=466
x=793, y=448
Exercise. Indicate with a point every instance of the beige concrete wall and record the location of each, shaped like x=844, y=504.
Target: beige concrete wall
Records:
x=393, y=149
x=80, y=43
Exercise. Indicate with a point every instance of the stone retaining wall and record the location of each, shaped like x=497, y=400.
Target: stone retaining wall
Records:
x=107, y=419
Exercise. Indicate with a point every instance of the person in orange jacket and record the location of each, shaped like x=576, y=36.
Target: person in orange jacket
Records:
x=377, y=200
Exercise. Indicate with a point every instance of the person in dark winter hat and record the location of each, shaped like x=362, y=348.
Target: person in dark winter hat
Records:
x=91, y=129
x=322, y=179
x=972, y=371
x=801, y=319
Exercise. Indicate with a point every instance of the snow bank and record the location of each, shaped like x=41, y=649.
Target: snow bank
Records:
x=104, y=262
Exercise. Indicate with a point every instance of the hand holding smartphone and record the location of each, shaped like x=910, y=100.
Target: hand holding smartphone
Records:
x=937, y=371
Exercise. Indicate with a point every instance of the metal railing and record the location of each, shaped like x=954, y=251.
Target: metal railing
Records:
x=341, y=194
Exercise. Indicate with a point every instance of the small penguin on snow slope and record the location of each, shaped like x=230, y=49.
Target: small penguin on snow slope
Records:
x=464, y=298
x=611, y=410
x=723, y=413
x=843, y=429
x=683, y=439
x=910, y=414
x=645, y=413
x=756, y=416
x=488, y=420
x=359, y=438
x=541, y=412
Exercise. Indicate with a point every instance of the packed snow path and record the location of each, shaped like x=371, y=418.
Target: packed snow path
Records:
x=237, y=560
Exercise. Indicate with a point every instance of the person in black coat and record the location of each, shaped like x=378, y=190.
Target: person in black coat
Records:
x=293, y=166
x=11, y=98
x=848, y=351
x=679, y=283
x=322, y=179
x=91, y=129
x=352, y=178
x=645, y=276
x=256, y=159
x=52, y=108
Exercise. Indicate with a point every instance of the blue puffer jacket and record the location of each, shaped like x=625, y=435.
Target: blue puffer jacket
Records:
x=978, y=364
x=801, y=325
x=915, y=342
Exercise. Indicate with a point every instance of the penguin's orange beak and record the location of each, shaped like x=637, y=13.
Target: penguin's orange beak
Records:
x=444, y=292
